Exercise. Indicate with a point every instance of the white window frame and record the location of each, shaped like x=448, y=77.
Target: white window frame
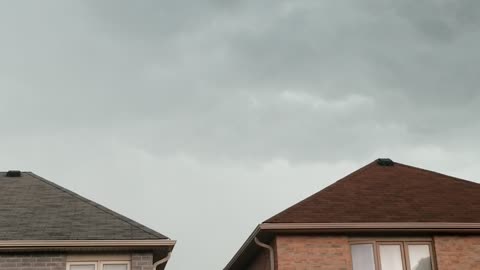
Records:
x=98, y=264
x=114, y=262
x=82, y=263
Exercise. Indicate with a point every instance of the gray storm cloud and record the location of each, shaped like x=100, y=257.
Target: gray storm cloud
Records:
x=214, y=79
x=246, y=91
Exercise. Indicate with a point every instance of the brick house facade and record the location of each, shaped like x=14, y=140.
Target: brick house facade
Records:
x=46, y=227
x=58, y=261
x=385, y=216
x=333, y=253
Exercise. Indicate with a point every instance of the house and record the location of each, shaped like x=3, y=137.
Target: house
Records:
x=46, y=227
x=384, y=216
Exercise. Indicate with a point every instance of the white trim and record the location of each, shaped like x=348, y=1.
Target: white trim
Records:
x=81, y=263
x=99, y=263
x=86, y=243
x=271, y=252
x=114, y=262
x=75, y=257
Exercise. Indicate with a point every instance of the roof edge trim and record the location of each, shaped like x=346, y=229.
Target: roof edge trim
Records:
x=87, y=243
x=369, y=226
x=239, y=253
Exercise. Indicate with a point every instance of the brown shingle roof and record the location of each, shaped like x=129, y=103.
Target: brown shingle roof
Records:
x=398, y=193
x=33, y=208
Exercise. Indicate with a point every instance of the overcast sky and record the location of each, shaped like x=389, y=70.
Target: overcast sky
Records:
x=208, y=117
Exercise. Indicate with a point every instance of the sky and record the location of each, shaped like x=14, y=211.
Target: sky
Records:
x=201, y=119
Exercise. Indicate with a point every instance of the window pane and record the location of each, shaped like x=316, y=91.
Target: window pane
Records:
x=82, y=267
x=391, y=257
x=419, y=256
x=115, y=267
x=362, y=257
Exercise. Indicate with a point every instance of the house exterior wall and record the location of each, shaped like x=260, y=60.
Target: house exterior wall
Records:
x=32, y=261
x=457, y=252
x=58, y=261
x=307, y=252
x=142, y=261
x=313, y=253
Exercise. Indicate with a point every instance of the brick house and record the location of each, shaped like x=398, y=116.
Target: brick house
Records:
x=46, y=227
x=384, y=216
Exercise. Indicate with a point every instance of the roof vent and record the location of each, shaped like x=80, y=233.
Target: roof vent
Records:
x=385, y=162
x=14, y=174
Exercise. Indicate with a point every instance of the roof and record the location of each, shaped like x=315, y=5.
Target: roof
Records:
x=33, y=208
x=396, y=193
x=381, y=197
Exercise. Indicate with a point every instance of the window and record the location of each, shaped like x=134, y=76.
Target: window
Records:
x=419, y=256
x=99, y=265
x=362, y=255
x=114, y=266
x=392, y=255
x=82, y=266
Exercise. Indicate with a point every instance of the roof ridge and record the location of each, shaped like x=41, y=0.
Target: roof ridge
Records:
x=438, y=173
x=101, y=207
x=323, y=189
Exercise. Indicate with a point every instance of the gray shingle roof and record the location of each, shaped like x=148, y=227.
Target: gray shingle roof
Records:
x=33, y=208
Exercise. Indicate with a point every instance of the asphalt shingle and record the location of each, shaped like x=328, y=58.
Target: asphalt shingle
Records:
x=398, y=193
x=33, y=208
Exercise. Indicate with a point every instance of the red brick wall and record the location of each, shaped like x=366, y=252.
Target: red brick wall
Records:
x=333, y=253
x=457, y=252
x=313, y=253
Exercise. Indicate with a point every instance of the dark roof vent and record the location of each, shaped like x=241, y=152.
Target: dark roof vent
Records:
x=385, y=162
x=14, y=174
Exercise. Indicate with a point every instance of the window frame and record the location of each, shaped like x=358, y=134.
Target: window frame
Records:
x=391, y=243
x=403, y=242
x=430, y=249
x=98, y=263
x=114, y=262
x=95, y=263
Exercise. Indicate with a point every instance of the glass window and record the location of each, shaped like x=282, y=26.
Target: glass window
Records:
x=99, y=265
x=419, y=257
x=391, y=257
x=115, y=267
x=82, y=266
x=362, y=257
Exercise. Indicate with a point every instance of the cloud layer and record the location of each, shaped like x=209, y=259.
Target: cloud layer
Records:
x=224, y=113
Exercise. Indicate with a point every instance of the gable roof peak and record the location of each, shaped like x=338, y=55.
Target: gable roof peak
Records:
x=33, y=208
x=385, y=162
x=386, y=191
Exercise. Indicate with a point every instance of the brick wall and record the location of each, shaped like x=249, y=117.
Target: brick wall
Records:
x=139, y=261
x=457, y=252
x=142, y=261
x=313, y=253
x=32, y=262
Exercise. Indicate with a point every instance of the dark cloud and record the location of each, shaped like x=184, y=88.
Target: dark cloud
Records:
x=241, y=88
